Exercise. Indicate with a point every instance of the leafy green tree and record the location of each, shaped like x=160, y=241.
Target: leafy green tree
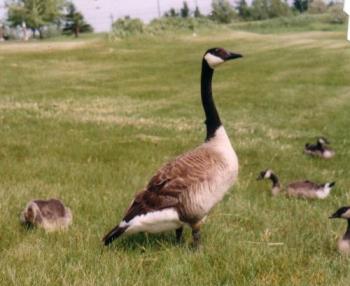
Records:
x=222, y=12
x=197, y=13
x=260, y=10
x=36, y=14
x=185, y=11
x=301, y=5
x=278, y=8
x=75, y=23
x=243, y=10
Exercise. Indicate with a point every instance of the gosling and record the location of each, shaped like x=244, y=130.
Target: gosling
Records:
x=301, y=189
x=320, y=149
x=51, y=215
x=344, y=241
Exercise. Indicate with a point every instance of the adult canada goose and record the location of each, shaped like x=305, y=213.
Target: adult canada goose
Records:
x=344, y=241
x=185, y=189
x=49, y=214
x=302, y=189
x=320, y=149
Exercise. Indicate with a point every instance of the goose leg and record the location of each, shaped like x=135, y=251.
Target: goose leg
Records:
x=196, y=234
x=179, y=234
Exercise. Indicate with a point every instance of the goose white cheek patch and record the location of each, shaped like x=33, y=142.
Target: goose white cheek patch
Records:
x=346, y=214
x=213, y=61
x=267, y=174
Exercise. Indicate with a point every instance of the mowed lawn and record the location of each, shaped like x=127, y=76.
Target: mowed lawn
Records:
x=90, y=121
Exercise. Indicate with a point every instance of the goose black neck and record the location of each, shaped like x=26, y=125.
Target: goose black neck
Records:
x=320, y=146
x=212, y=119
x=347, y=233
x=275, y=181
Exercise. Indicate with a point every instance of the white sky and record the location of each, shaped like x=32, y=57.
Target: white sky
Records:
x=99, y=13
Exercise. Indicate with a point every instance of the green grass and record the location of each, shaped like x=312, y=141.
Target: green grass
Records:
x=90, y=121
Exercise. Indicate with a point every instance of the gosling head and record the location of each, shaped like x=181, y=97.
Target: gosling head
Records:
x=217, y=56
x=343, y=212
x=31, y=214
x=265, y=174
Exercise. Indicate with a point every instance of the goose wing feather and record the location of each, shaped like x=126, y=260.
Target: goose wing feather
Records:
x=51, y=209
x=170, y=186
x=305, y=185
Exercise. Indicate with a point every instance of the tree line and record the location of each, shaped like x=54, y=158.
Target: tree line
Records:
x=38, y=15
x=224, y=12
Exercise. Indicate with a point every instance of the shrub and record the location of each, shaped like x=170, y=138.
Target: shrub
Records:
x=158, y=26
x=317, y=7
x=50, y=31
x=336, y=15
x=278, y=8
x=127, y=26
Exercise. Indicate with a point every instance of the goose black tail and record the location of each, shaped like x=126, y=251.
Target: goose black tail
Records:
x=113, y=234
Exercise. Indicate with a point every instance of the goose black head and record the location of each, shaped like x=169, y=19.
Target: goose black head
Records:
x=322, y=141
x=216, y=56
x=264, y=174
x=343, y=212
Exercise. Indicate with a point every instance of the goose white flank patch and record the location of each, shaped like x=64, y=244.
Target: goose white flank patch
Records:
x=184, y=190
x=302, y=189
x=49, y=214
x=344, y=241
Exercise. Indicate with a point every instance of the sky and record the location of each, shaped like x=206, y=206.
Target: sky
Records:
x=100, y=13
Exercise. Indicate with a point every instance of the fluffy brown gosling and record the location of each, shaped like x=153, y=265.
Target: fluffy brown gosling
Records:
x=50, y=215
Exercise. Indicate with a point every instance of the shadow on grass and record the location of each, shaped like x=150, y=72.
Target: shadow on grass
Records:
x=143, y=242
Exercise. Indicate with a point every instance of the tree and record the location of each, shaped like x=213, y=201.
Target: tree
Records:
x=301, y=5
x=197, y=13
x=336, y=14
x=278, y=8
x=317, y=7
x=2, y=32
x=75, y=22
x=185, y=11
x=171, y=13
x=243, y=9
x=260, y=10
x=36, y=14
x=222, y=11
